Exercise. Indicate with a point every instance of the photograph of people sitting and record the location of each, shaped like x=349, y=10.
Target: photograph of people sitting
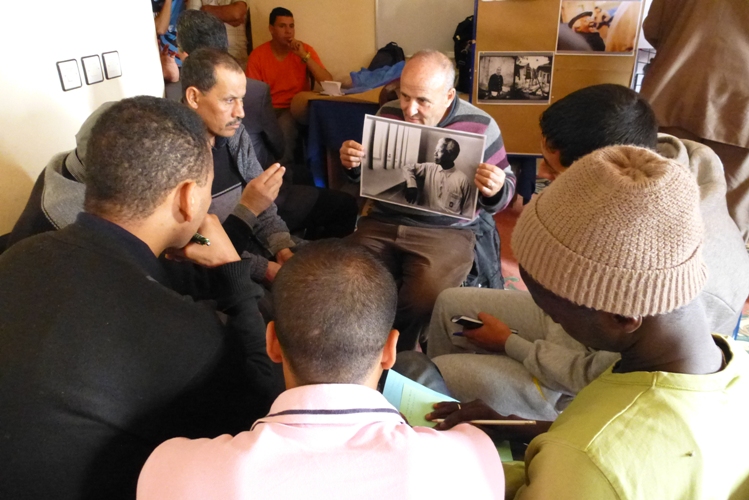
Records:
x=598, y=26
x=521, y=273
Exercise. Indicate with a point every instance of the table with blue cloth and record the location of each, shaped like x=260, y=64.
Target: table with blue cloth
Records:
x=331, y=123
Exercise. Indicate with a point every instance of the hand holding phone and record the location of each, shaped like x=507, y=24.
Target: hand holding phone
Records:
x=487, y=332
x=467, y=322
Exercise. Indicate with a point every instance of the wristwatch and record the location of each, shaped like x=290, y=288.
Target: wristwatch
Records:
x=306, y=58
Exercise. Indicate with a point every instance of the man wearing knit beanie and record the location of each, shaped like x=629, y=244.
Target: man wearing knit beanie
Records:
x=612, y=252
x=543, y=368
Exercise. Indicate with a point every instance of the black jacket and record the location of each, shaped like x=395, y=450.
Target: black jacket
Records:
x=101, y=361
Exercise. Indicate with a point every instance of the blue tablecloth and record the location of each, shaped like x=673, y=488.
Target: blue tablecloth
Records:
x=331, y=123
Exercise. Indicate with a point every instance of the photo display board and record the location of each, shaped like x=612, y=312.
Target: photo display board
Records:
x=531, y=53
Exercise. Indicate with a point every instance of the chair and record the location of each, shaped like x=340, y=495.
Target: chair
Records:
x=4, y=242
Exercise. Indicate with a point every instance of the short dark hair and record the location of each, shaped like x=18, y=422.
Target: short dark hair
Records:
x=140, y=149
x=199, y=70
x=197, y=29
x=279, y=12
x=595, y=117
x=334, y=304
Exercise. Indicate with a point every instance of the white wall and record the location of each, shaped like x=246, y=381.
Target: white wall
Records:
x=420, y=24
x=38, y=119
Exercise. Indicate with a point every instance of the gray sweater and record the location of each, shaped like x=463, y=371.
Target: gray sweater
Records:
x=264, y=235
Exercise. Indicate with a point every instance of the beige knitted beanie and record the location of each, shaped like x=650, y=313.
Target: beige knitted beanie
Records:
x=619, y=232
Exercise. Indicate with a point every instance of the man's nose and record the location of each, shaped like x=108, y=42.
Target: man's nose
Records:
x=412, y=108
x=238, y=111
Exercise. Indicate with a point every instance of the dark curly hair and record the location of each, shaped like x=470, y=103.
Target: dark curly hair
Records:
x=595, y=117
x=197, y=29
x=140, y=149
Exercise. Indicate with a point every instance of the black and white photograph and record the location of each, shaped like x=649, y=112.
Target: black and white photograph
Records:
x=425, y=168
x=598, y=27
x=514, y=78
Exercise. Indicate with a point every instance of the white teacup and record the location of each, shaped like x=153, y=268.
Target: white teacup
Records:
x=331, y=88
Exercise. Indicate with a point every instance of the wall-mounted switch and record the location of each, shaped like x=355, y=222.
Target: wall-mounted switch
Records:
x=112, y=66
x=92, y=69
x=70, y=77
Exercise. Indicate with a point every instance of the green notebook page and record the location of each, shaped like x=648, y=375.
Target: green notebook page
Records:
x=414, y=401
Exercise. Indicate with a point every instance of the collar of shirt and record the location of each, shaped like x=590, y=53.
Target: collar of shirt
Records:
x=326, y=404
x=447, y=120
x=737, y=365
x=447, y=172
x=220, y=141
x=126, y=243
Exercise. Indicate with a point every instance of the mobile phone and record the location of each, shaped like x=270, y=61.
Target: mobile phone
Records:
x=467, y=322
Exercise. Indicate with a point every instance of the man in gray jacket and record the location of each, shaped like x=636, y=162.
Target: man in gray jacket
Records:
x=213, y=84
x=314, y=212
x=57, y=196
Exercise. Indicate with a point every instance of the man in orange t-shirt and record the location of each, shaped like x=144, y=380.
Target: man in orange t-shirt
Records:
x=285, y=64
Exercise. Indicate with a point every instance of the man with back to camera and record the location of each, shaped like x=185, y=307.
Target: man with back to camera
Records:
x=536, y=373
x=653, y=425
x=317, y=213
x=696, y=84
x=286, y=64
x=445, y=187
x=331, y=434
x=430, y=252
x=58, y=193
x=496, y=81
x=233, y=13
x=100, y=358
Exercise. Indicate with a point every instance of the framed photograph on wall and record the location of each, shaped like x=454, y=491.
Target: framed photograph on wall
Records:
x=514, y=77
x=599, y=28
x=424, y=168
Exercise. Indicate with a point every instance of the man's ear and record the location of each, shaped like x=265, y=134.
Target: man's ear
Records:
x=553, y=157
x=192, y=97
x=451, y=94
x=621, y=329
x=186, y=200
x=390, y=350
x=272, y=346
x=627, y=324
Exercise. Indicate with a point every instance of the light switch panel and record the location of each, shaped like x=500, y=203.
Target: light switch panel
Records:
x=112, y=66
x=92, y=69
x=70, y=77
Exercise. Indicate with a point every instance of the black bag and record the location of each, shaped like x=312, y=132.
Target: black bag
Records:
x=463, y=48
x=388, y=55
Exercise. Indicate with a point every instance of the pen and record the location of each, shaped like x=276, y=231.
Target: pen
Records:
x=200, y=240
x=491, y=422
x=460, y=334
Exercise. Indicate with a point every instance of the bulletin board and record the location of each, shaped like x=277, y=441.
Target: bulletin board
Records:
x=515, y=35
